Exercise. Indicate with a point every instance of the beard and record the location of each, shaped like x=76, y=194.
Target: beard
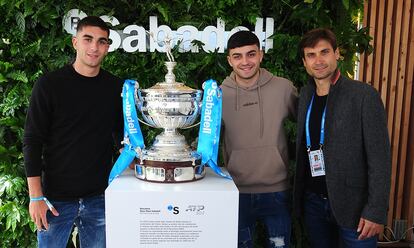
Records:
x=248, y=77
x=322, y=75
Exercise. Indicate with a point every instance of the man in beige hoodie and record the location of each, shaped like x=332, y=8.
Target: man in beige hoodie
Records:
x=255, y=105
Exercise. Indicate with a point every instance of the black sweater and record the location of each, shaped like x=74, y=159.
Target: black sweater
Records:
x=71, y=125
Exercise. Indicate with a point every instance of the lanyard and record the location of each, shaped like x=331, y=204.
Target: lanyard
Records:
x=322, y=136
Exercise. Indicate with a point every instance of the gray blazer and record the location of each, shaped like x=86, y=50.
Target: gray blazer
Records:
x=356, y=151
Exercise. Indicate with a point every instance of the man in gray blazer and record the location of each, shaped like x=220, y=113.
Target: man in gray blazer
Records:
x=342, y=178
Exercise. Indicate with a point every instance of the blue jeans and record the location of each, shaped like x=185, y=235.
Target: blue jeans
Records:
x=88, y=214
x=270, y=208
x=323, y=230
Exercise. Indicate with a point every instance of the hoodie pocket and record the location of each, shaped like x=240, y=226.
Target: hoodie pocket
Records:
x=257, y=166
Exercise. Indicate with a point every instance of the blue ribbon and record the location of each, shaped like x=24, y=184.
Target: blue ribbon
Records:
x=210, y=124
x=133, y=139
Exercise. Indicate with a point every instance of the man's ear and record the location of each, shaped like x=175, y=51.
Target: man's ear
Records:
x=229, y=61
x=74, y=42
x=107, y=49
x=337, y=53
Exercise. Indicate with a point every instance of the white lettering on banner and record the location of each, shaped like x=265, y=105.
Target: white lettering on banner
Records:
x=134, y=38
x=209, y=104
x=129, y=119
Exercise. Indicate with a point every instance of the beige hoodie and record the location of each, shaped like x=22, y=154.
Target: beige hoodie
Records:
x=256, y=153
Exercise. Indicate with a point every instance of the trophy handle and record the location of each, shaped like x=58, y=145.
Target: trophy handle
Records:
x=199, y=105
x=136, y=88
x=198, y=123
x=138, y=103
x=146, y=123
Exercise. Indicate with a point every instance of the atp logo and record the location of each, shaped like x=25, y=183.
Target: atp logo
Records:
x=173, y=209
x=196, y=209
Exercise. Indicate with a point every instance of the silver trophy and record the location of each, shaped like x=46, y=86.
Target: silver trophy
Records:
x=169, y=105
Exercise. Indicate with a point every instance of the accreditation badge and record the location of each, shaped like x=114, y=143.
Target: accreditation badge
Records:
x=316, y=162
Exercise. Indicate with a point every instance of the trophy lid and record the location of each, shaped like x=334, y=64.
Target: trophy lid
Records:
x=170, y=85
x=165, y=87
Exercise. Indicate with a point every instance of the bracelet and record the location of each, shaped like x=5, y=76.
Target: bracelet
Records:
x=42, y=198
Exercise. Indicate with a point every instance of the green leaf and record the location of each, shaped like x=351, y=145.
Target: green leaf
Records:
x=163, y=11
x=5, y=183
x=2, y=78
x=13, y=99
x=21, y=24
x=11, y=186
x=34, y=47
x=18, y=76
x=346, y=4
x=308, y=1
x=5, y=66
x=13, y=215
x=2, y=150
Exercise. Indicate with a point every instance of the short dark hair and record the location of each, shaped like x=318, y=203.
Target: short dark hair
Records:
x=242, y=38
x=311, y=38
x=94, y=21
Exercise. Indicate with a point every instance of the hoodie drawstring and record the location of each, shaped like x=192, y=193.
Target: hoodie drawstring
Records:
x=237, y=98
x=261, y=110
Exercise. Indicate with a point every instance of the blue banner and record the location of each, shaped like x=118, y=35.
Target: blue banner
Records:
x=210, y=125
x=133, y=139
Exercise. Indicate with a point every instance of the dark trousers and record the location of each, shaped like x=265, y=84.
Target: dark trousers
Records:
x=324, y=232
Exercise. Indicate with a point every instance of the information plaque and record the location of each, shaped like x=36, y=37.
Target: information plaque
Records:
x=200, y=214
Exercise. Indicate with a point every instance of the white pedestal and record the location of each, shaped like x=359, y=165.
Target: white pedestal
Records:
x=202, y=214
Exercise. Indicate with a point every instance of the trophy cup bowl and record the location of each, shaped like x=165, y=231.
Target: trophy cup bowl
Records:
x=169, y=105
x=165, y=108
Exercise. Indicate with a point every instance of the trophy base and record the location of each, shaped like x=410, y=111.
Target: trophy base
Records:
x=169, y=172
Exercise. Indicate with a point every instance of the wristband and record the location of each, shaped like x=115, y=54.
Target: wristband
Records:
x=42, y=198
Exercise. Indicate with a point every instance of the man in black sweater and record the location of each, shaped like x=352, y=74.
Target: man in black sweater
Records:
x=342, y=179
x=74, y=119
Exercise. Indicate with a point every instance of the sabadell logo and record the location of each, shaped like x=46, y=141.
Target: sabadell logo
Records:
x=134, y=38
x=175, y=210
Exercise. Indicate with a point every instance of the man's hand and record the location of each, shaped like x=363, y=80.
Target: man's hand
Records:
x=37, y=210
x=368, y=229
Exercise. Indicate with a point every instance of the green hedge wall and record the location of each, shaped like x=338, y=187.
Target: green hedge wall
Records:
x=32, y=42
